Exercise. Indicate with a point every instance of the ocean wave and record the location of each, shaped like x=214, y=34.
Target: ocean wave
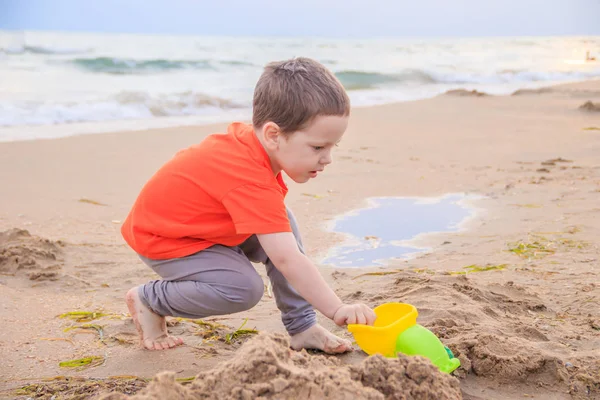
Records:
x=122, y=66
x=121, y=106
x=357, y=80
x=42, y=50
x=361, y=80
x=237, y=63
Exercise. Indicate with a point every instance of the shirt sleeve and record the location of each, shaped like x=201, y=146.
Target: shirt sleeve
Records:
x=257, y=209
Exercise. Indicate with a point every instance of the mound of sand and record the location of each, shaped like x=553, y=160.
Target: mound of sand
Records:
x=589, y=106
x=265, y=367
x=21, y=252
x=521, y=92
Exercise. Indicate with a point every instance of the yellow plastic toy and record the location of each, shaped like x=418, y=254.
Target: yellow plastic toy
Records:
x=396, y=331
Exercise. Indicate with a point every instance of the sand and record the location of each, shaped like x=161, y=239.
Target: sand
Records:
x=525, y=323
x=589, y=106
x=265, y=367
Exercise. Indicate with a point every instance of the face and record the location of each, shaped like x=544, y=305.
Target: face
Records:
x=304, y=154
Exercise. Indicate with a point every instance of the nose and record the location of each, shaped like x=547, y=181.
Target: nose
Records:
x=326, y=159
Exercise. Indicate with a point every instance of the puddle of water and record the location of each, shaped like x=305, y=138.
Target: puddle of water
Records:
x=384, y=231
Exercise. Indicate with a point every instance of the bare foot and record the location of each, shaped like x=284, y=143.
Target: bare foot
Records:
x=151, y=327
x=317, y=337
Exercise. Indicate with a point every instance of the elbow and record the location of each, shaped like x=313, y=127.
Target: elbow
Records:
x=286, y=260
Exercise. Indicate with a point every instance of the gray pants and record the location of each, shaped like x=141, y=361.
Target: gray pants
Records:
x=221, y=280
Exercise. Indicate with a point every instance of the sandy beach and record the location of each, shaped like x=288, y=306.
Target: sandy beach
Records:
x=524, y=323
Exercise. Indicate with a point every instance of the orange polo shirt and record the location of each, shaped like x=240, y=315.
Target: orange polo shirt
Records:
x=220, y=191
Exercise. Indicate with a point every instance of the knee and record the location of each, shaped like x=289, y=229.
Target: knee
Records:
x=250, y=295
x=295, y=229
x=256, y=289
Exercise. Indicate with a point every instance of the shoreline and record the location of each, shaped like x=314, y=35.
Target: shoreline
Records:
x=48, y=132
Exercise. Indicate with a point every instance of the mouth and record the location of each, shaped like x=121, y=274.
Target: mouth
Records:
x=315, y=172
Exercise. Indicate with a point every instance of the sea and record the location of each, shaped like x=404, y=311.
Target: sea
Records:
x=55, y=84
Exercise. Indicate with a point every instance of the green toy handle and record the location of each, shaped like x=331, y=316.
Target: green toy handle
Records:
x=418, y=340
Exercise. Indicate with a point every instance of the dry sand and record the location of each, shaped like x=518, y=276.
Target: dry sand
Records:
x=267, y=367
x=530, y=329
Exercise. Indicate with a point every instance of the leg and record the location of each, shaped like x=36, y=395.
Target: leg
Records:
x=298, y=316
x=296, y=313
x=216, y=281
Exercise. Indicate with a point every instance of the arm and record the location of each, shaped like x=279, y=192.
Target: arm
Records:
x=282, y=250
x=303, y=275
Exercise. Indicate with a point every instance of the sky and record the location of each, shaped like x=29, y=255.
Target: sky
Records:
x=332, y=18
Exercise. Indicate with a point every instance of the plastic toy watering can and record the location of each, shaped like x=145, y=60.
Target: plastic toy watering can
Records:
x=396, y=331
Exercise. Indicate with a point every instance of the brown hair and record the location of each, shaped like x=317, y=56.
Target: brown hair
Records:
x=292, y=93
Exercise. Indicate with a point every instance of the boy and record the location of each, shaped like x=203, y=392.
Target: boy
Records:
x=217, y=206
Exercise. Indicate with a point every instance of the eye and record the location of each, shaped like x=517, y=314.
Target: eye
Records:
x=317, y=148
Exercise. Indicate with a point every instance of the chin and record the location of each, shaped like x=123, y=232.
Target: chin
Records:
x=300, y=179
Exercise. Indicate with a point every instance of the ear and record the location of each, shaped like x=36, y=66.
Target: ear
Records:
x=271, y=135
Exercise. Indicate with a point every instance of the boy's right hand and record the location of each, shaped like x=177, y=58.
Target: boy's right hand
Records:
x=354, y=314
